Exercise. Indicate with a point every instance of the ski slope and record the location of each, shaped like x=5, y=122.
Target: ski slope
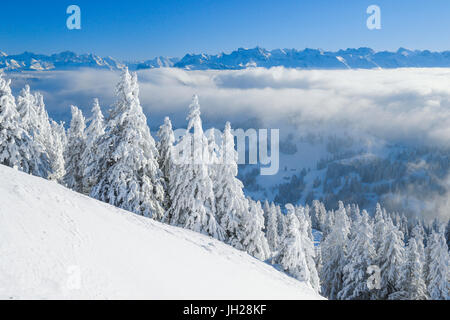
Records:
x=57, y=244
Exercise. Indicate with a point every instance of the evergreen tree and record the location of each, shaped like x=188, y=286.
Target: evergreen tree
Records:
x=379, y=230
x=128, y=172
x=90, y=157
x=438, y=272
x=58, y=143
x=272, y=228
x=254, y=241
x=231, y=203
x=360, y=255
x=334, y=253
x=190, y=187
x=308, y=246
x=391, y=259
x=76, y=144
x=291, y=257
x=447, y=233
x=165, y=150
x=17, y=148
x=412, y=276
x=282, y=224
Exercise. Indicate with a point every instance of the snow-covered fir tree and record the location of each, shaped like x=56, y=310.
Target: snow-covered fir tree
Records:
x=438, y=270
x=391, y=259
x=128, y=171
x=231, y=203
x=318, y=215
x=254, y=241
x=73, y=155
x=56, y=150
x=272, y=228
x=379, y=230
x=334, y=253
x=360, y=255
x=90, y=157
x=282, y=224
x=412, y=275
x=165, y=150
x=190, y=187
x=17, y=148
x=291, y=257
x=307, y=245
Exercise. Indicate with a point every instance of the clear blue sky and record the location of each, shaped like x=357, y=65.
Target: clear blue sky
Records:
x=143, y=29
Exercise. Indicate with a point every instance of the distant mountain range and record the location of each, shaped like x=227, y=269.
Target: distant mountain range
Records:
x=362, y=58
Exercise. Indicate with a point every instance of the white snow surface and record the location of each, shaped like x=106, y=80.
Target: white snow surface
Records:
x=57, y=244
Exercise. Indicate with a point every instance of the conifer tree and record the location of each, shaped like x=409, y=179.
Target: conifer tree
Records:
x=292, y=257
x=412, y=275
x=17, y=148
x=308, y=246
x=73, y=154
x=90, y=157
x=165, y=150
x=128, y=172
x=231, y=203
x=190, y=187
x=272, y=228
x=360, y=255
x=438, y=270
x=254, y=241
x=391, y=258
x=334, y=253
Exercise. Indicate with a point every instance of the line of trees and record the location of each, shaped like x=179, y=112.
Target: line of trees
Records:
x=116, y=160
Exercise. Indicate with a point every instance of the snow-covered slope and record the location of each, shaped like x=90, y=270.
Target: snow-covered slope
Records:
x=55, y=243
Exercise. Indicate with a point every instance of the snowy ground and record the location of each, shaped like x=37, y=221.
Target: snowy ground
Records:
x=55, y=243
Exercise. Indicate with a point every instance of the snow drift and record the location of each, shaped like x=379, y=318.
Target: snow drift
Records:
x=57, y=244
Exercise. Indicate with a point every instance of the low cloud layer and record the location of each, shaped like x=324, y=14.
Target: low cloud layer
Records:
x=408, y=106
x=397, y=105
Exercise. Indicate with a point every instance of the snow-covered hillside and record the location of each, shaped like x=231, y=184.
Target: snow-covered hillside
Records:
x=55, y=243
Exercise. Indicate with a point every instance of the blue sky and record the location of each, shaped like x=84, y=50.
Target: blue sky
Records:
x=134, y=30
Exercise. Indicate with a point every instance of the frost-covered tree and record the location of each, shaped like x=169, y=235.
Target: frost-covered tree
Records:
x=190, y=187
x=412, y=276
x=318, y=213
x=128, y=174
x=391, y=258
x=334, y=253
x=379, y=229
x=254, y=242
x=360, y=255
x=76, y=144
x=231, y=204
x=291, y=257
x=418, y=233
x=90, y=157
x=328, y=224
x=58, y=142
x=447, y=233
x=282, y=224
x=307, y=245
x=17, y=148
x=404, y=227
x=438, y=270
x=165, y=150
x=27, y=108
x=272, y=228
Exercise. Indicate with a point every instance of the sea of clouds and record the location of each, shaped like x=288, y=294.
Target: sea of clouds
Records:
x=407, y=105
